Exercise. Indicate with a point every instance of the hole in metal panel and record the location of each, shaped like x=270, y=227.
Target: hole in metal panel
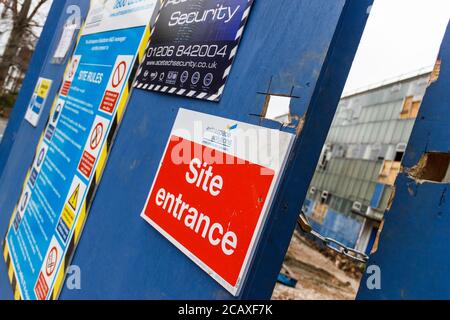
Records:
x=432, y=167
x=277, y=108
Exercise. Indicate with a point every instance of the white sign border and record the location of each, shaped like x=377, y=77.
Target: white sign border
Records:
x=234, y=290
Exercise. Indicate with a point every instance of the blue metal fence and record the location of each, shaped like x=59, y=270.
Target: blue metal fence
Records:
x=303, y=48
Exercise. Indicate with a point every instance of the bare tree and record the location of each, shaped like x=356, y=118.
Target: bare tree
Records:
x=23, y=18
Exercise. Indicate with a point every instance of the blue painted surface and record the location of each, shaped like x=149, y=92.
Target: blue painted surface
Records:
x=377, y=195
x=287, y=281
x=306, y=46
x=335, y=225
x=414, y=250
x=373, y=237
x=308, y=205
x=339, y=227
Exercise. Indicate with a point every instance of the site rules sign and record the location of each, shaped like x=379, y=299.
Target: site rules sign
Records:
x=213, y=191
x=37, y=101
x=49, y=217
x=193, y=46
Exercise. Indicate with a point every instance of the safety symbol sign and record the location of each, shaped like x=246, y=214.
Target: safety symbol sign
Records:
x=53, y=121
x=48, y=271
x=212, y=198
x=21, y=207
x=96, y=136
x=37, y=164
x=116, y=83
x=57, y=112
x=40, y=157
x=38, y=100
x=72, y=206
x=92, y=149
x=119, y=74
x=50, y=214
x=24, y=200
x=70, y=74
x=193, y=46
x=51, y=261
x=74, y=198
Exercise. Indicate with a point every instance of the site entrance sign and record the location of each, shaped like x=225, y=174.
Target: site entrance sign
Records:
x=57, y=194
x=193, y=47
x=213, y=190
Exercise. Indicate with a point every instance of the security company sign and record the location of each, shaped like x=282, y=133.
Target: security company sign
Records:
x=213, y=190
x=193, y=47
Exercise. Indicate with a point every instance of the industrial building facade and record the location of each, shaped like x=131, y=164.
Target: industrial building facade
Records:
x=355, y=176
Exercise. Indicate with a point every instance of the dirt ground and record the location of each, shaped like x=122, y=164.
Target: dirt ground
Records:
x=320, y=273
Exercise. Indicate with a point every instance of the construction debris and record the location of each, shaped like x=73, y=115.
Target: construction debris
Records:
x=321, y=273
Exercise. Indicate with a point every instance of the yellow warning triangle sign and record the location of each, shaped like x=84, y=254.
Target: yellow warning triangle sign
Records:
x=74, y=198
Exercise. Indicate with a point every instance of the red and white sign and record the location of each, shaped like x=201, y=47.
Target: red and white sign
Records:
x=96, y=136
x=41, y=288
x=70, y=75
x=51, y=261
x=48, y=270
x=119, y=74
x=209, y=198
x=116, y=83
x=93, y=146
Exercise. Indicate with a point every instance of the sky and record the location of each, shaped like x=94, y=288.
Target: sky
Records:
x=401, y=36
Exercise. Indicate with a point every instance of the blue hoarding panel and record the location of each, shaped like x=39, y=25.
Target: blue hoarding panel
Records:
x=302, y=48
x=413, y=254
x=343, y=228
x=377, y=195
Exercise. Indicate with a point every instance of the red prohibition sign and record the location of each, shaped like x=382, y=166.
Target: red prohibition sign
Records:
x=119, y=74
x=51, y=261
x=96, y=136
